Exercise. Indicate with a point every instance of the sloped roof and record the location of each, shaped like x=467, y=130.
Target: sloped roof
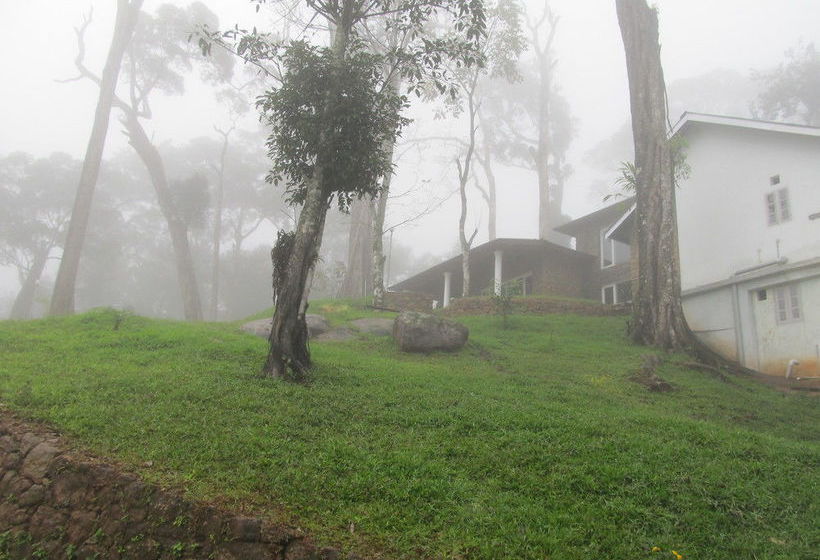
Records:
x=454, y=264
x=687, y=119
x=604, y=217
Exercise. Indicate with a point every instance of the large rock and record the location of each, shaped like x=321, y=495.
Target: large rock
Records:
x=338, y=334
x=376, y=326
x=316, y=325
x=420, y=332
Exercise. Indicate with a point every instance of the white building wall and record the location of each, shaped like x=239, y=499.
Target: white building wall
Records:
x=723, y=229
x=722, y=216
x=711, y=316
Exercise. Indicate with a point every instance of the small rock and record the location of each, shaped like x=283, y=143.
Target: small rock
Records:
x=245, y=529
x=33, y=495
x=35, y=466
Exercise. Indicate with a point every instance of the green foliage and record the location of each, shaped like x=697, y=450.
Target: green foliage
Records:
x=280, y=256
x=525, y=445
x=313, y=130
x=502, y=301
x=627, y=180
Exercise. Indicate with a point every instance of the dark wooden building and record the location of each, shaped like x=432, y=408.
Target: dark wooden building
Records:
x=597, y=268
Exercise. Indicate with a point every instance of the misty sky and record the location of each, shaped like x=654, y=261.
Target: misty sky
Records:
x=40, y=115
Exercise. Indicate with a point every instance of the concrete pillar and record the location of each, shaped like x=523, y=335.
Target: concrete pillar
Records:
x=498, y=262
x=447, y=277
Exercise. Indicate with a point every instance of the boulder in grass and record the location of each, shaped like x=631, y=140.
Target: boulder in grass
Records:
x=376, y=326
x=316, y=325
x=421, y=332
x=260, y=327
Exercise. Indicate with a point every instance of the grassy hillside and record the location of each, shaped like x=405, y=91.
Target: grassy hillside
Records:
x=531, y=443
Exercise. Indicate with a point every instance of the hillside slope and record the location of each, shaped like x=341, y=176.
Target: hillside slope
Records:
x=530, y=443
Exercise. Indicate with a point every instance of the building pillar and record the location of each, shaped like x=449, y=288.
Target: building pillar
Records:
x=498, y=262
x=447, y=277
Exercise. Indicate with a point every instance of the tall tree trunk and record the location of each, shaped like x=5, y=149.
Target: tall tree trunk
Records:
x=359, y=249
x=657, y=314
x=25, y=297
x=213, y=308
x=379, y=213
x=377, y=253
x=558, y=189
x=288, y=339
x=62, y=300
x=490, y=196
x=289, y=356
x=186, y=275
x=463, y=177
x=541, y=156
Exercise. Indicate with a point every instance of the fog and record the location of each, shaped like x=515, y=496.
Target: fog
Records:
x=710, y=51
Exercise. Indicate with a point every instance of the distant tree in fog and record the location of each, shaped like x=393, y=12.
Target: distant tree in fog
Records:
x=528, y=123
x=792, y=89
x=500, y=47
x=157, y=60
x=35, y=205
x=62, y=301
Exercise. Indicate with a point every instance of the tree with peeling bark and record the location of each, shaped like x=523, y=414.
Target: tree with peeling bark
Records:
x=330, y=117
x=156, y=60
x=657, y=313
x=62, y=301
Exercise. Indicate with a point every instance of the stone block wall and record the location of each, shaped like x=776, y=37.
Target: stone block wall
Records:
x=408, y=301
x=56, y=503
x=534, y=305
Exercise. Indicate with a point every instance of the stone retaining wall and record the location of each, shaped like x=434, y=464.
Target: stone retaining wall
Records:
x=55, y=503
x=407, y=301
x=534, y=306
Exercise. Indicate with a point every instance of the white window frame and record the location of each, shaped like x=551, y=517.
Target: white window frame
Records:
x=603, y=239
x=788, y=304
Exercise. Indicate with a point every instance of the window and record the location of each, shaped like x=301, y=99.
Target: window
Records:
x=778, y=208
x=787, y=303
x=616, y=293
x=623, y=292
x=612, y=251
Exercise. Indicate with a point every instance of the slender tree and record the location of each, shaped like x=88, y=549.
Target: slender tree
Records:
x=336, y=151
x=657, y=313
x=62, y=301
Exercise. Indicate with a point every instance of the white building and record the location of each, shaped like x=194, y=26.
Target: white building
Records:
x=749, y=231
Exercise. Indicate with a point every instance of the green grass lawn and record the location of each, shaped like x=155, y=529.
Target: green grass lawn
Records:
x=531, y=443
